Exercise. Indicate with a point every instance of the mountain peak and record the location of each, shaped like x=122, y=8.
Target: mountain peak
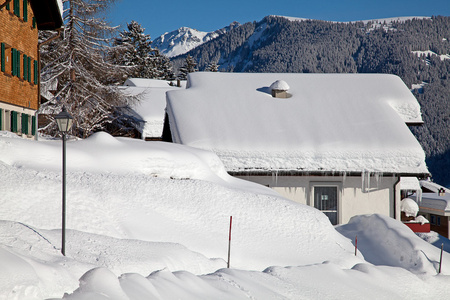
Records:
x=184, y=39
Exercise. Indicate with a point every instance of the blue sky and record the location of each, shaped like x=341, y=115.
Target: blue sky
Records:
x=158, y=17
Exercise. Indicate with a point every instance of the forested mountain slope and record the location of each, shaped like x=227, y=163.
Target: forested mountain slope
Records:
x=277, y=44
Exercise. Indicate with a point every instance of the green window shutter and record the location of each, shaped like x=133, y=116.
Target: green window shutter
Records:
x=36, y=72
x=18, y=63
x=25, y=10
x=2, y=53
x=29, y=68
x=13, y=61
x=7, y=7
x=17, y=8
x=14, y=121
x=25, y=71
x=34, y=22
x=25, y=123
x=33, y=125
x=1, y=119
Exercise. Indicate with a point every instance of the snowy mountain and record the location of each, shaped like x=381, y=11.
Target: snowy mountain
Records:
x=185, y=39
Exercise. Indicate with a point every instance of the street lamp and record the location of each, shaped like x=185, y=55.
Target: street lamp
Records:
x=64, y=121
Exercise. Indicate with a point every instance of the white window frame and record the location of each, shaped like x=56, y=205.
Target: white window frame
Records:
x=337, y=184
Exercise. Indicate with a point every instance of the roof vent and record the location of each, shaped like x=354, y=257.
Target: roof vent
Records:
x=279, y=89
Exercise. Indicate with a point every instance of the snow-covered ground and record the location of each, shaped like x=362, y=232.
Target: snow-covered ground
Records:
x=150, y=220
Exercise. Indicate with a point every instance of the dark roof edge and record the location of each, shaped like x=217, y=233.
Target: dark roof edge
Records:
x=47, y=14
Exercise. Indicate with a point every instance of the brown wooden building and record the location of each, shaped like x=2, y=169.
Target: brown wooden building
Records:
x=20, y=21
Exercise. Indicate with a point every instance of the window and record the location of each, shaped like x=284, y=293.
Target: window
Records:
x=25, y=123
x=3, y=57
x=326, y=200
x=33, y=125
x=25, y=10
x=36, y=72
x=15, y=62
x=29, y=69
x=16, y=5
x=14, y=117
x=25, y=69
x=1, y=119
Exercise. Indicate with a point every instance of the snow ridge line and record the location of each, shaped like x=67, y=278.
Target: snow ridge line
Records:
x=35, y=231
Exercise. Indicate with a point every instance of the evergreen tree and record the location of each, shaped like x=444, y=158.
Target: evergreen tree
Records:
x=76, y=62
x=165, y=68
x=133, y=49
x=213, y=67
x=189, y=66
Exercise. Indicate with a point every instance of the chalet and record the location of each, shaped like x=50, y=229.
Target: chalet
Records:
x=149, y=110
x=20, y=21
x=338, y=142
x=434, y=205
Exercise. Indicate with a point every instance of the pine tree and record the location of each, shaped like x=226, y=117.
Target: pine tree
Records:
x=165, y=68
x=213, y=67
x=76, y=61
x=189, y=66
x=133, y=49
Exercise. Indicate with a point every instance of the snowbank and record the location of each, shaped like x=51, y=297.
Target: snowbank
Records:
x=149, y=220
x=385, y=241
x=161, y=192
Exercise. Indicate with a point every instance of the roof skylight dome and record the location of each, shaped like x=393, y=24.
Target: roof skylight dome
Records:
x=279, y=89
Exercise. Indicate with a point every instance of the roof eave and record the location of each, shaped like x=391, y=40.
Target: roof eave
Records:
x=47, y=14
x=260, y=172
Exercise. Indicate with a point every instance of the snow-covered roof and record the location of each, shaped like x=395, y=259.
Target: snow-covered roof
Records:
x=409, y=183
x=432, y=186
x=151, y=105
x=435, y=204
x=150, y=83
x=332, y=122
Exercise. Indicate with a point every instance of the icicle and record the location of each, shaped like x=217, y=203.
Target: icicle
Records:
x=363, y=177
x=377, y=178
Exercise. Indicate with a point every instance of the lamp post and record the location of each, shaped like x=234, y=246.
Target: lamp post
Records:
x=64, y=121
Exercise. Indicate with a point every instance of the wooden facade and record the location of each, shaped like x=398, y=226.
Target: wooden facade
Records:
x=19, y=61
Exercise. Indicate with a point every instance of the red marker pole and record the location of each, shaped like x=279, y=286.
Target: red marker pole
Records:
x=356, y=244
x=229, y=243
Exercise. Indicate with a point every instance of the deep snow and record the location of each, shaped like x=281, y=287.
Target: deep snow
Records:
x=149, y=220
